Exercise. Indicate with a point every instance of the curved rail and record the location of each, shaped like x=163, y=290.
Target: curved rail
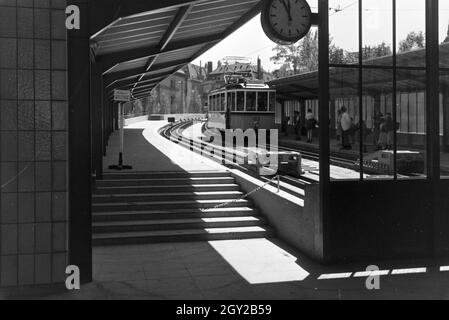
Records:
x=291, y=185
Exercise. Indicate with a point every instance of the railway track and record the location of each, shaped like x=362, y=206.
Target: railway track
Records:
x=289, y=184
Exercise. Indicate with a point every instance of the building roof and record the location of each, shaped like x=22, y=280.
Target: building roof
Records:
x=234, y=68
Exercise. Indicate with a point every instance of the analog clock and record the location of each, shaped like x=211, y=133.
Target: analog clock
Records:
x=286, y=21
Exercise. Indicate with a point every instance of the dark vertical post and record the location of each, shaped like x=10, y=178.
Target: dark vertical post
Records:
x=106, y=119
x=80, y=198
x=303, y=112
x=432, y=109
x=333, y=119
x=360, y=88
x=97, y=120
x=323, y=41
x=395, y=94
x=432, y=91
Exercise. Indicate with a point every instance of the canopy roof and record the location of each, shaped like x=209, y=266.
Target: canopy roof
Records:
x=138, y=51
x=377, y=77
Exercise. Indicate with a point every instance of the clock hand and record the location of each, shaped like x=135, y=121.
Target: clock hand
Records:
x=288, y=9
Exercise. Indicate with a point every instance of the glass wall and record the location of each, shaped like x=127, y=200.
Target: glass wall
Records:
x=377, y=89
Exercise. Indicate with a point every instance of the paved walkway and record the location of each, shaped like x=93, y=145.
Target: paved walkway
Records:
x=241, y=270
x=146, y=150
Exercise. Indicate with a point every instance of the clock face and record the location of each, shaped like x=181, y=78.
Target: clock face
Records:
x=287, y=21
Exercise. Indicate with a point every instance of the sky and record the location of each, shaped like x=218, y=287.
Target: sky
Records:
x=251, y=42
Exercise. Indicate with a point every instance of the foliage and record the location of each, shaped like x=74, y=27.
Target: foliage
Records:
x=414, y=40
x=303, y=56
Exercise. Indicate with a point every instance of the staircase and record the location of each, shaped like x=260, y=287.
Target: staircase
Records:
x=136, y=208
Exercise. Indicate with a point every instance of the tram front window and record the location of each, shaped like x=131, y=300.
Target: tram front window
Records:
x=262, y=101
x=240, y=101
x=214, y=103
x=272, y=101
x=222, y=102
x=250, y=101
x=231, y=101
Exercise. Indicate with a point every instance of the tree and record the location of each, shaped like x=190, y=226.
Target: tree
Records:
x=309, y=52
x=446, y=40
x=301, y=57
x=283, y=71
x=337, y=55
x=414, y=40
x=287, y=55
x=380, y=50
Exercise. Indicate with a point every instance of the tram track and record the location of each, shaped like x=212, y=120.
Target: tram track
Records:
x=288, y=183
x=292, y=185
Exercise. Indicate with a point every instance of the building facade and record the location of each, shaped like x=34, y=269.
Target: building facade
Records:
x=180, y=93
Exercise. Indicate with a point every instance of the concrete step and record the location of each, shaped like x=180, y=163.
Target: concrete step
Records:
x=168, y=189
x=164, y=175
x=159, y=205
x=188, y=235
x=175, y=224
x=173, y=214
x=163, y=182
x=150, y=197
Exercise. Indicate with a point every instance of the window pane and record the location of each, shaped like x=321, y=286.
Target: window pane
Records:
x=410, y=33
x=223, y=102
x=344, y=45
x=250, y=101
x=444, y=123
x=411, y=136
x=377, y=127
x=240, y=101
x=262, y=101
x=444, y=33
x=272, y=101
x=344, y=85
x=377, y=28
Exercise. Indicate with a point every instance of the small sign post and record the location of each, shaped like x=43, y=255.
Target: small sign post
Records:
x=121, y=96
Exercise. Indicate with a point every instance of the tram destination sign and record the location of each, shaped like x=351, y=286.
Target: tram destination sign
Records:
x=122, y=95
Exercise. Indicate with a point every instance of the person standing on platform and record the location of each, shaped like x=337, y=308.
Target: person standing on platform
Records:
x=389, y=129
x=377, y=121
x=310, y=125
x=285, y=123
x=346, y=128
x=339, y=135
x=297, y=124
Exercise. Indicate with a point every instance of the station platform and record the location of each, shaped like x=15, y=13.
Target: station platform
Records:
x=147, y=151
x=291, y=141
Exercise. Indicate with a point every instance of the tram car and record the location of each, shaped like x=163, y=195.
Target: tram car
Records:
x=242, y=104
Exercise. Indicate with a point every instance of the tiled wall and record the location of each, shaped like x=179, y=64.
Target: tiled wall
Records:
x=33, y=136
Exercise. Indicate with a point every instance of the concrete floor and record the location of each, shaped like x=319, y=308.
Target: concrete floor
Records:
x=146, y=150
x=219, y=271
